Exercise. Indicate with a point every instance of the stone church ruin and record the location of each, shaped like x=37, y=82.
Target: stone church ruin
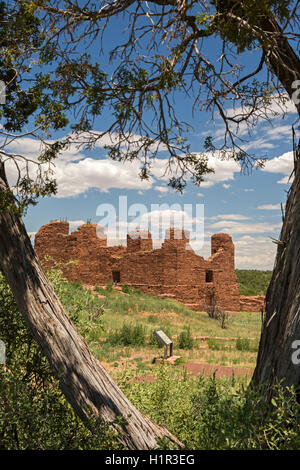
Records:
x=173, y=271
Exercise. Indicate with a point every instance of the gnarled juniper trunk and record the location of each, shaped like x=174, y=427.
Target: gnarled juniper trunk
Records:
x=282, y=321
x=85, y=383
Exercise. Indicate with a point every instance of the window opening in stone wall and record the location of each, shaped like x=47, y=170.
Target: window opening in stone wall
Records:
x=116, y=276
x=209, y=277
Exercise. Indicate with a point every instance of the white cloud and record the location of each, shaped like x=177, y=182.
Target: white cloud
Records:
x=249, y=190
x=161, y=189
x=75, y=173
x=76, y=178
x=270, y=207
x=234, y=227
x=251, y=252
x=283, y=164
x=224, y=170
x=229, y=217
x=254, y=253
x=285, y=180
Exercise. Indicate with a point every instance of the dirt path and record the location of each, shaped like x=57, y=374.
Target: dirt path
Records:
x=220, y=371
x=208, y=370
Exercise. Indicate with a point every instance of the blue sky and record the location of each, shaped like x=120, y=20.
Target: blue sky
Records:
x=245, y=206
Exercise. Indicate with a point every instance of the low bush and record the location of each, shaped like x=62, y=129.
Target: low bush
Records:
x=245, y=344
x=34, y=414
x=185, y=339
x=128, y=335
x=215, y=345
x=217, y=414
x=126, y=289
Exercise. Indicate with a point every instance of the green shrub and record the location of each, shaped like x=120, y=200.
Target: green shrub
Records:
x=152, y=319
x=185, y=339
x=100, y=290
x=215, y=345
x=245, y=344
x=180, y=360
x=128, y=335
x=109, y=287
x=217, y=414
x=34, y=414
x=126, y=289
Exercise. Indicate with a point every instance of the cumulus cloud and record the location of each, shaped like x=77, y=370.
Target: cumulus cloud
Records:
x=224, y=170
x=283, y=164
x=254, y=252
x=76, y=173
x=76, y=178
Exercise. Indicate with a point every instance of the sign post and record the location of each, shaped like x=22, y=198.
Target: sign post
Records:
x=166, y=341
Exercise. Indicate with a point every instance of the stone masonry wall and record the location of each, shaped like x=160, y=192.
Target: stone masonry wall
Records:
x=174, y=270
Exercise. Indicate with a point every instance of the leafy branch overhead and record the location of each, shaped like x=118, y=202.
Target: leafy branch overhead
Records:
x=58, y=78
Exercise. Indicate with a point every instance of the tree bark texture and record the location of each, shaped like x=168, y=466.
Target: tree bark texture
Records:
x=83, y=380
x=282, y=322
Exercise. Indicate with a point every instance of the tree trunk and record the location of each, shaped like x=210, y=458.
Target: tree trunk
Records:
x=282, y=322
x=83, y=380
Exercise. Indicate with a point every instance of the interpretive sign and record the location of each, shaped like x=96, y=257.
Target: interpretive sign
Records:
x=166, y=341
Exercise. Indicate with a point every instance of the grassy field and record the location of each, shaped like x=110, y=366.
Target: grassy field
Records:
x=203, y=412
x=118, y=326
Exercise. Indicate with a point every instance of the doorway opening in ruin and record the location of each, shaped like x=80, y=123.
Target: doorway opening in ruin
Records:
x=116, y=276
x=209, y=276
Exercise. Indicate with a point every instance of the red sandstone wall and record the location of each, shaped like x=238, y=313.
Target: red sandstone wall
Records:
x=252, y=304
x=172, y=270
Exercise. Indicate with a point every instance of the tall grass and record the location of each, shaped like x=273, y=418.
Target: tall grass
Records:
x=215, y=414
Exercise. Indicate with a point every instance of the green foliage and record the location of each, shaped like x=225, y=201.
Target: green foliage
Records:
x=245, y=344
x=217, y=414
x=109, y=287
x=253, y=282
x=204, y=413
x=138, y=301
x=100, y=290
x=253, y=13
x=126, y=289
x=215, y=345
x=82, y=306
x=185, y=339
x=33, y=412
x=128, y=335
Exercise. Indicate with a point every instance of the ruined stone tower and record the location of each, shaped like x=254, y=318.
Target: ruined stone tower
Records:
x=174, y=270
